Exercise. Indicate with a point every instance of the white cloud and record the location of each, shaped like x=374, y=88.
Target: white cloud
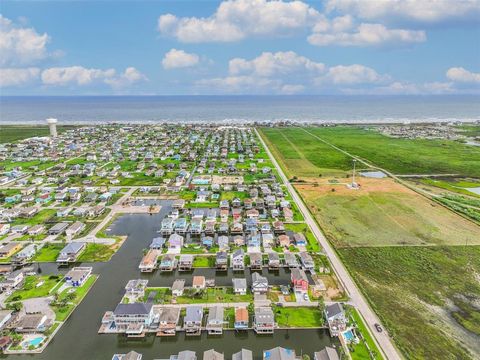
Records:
x=352, y=75
x=179, y=59
x=290, y=89
x=240, y=84
x=236, y=19
x=78, y=75
x=365, y=35
x=421, y=11
x=20, y=45
x=459, y=74
x=269, y=64
x=18, y=76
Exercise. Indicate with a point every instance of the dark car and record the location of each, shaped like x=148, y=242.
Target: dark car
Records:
x=378, y=327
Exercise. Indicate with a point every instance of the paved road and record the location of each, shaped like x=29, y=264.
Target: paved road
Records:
x=356, y=298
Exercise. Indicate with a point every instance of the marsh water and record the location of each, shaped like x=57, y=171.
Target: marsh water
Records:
x=78, y=338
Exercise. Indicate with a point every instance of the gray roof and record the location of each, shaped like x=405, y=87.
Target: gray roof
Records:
x=239, y=283
x=279, y=353
x=327, y=354
x=243, y=354
x=215, y=314
x=333, y=310
x=194, y=314
x=187, y=355
x=72, y=248
x=133, y=309
x=212, y=355
x=169, y=314
x=257, y=278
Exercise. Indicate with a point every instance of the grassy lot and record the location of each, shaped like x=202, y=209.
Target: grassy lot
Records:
x=428, y=293
x=39, y=218
x=48, y=253
x=312, y=244
x=11, y=133
x=162, y=295
x=35, y=286
x=384, y=213
x=304, y=317
x=213, y=295
x=404, y=156
x=67, y=301
x=97, y=252
x=454, y=185
x=204, y=261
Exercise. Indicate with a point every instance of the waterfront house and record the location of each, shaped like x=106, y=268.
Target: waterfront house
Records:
x=238, y=260
x=291, y=260
x=239, y=286
x=133, y=318
x=273, y=261
x=175, y=243
x=71, y=252
x=149, y=261
x=9, y=249
x=243, y=354
x=157, y=243
x=167, y=226
x=198, y=282
x=259, y=284
x=5, y=317
x=337, y=321
x=178, y=287
x=223, y=242
x=168, y=321
x=264, y=320
x=307, y=260
x=25, y=254
x=186, y=262
x=241, y=318
x=299, y=280
x=196, y=227
x=328, y=353
x=192, y=322
x=215, y=320
x=212, y=355
x=32, y=323
x=221, y=261
x=167, y=263
x=256, y=261
x=132, y=355
x=184, y=355
x=12, y=280
x=78, y=275
x=279, y=353
x=181, y=225
x=136, y=288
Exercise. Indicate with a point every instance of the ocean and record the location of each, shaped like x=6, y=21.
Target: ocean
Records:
x=237, y=109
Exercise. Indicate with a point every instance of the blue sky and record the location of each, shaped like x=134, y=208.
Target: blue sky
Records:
x=239, y=47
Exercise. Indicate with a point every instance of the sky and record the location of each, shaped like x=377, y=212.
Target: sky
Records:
x=108, y=47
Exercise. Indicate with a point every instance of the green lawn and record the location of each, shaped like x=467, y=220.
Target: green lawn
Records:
x=212, y=295
x=63, y=312
x=312, y=243
x=360, y=350
x=204, y=261
x=422, y=290
x=35, y=286
x=162, y=295
x=39, y=218
x=48, y=253
x=304, y=317
x=96, y=252
x=11, y=133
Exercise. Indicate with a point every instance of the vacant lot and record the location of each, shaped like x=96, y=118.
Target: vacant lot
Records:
x=384, y=213
x=427, y=297
x=11, y=133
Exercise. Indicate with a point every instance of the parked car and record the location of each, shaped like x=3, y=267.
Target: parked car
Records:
x=305, y=297
x=378, y=327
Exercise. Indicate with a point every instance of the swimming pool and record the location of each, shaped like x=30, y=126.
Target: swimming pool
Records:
x=348, y=335
x=33, y=342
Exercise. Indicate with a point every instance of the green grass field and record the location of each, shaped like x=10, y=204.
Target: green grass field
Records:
x=303, y=317
x=425, y=296
x=48, y=253
x=35, y=286
x=11, y=133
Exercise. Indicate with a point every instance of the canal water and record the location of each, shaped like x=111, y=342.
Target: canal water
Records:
x=78, y=338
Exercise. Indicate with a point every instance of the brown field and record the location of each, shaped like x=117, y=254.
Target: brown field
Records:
x=383, y=213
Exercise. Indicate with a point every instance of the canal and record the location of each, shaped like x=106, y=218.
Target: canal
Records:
x=78, y=338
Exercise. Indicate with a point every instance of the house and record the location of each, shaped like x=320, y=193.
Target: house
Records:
x=32, y=323
x=241, y=318
x=132, y=355
x=5, y=317
x=264, y=320
x=71, y=252
x=273, y=261
x=243, y=354
x=9, y=249
x=284, y=241
x=198, y=282
x=306, y=260
x=256, y=261
x=149, y=261
x=36, y=230
x=215, y=320
x=74, y=229
x=299, y=239
x=175, y=243
x=157, y=243
x=299, y=280
x=136, y=288
x=168, y=262
x=291, y=260
x=221, y=261
x=5, y=341
x=64, y=212
x=58, y=228
x=238, y=260
x=167, y=226
x=12, y=280
x=337, y=321
x=239, y=286
x=186, y=262
x=77, y=276
x=328, y=353
x=178, y=287
x=192, y=322
x=4, y=229
x=184, y=355
x=133, y=317
x=25, y=254
x=279, y=353
x=168, y=321
x=223, y=243
x=259, y=284
x=181, y=226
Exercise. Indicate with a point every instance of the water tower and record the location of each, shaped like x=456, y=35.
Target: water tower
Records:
x=52, y=124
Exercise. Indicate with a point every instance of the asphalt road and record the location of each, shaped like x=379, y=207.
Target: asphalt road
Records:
x=356, y=298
